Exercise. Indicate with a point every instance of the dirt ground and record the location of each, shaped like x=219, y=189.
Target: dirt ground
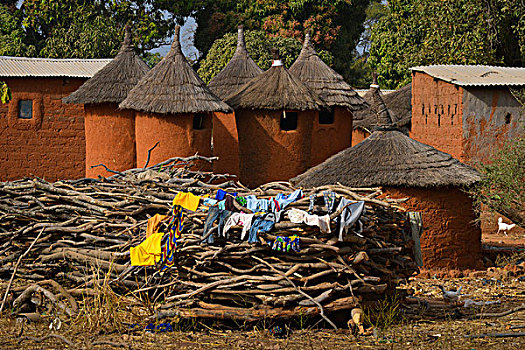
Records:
x=425, y=323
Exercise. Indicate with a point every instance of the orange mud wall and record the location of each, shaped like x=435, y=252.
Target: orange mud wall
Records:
x=358, y=135
x=51, y=144
x=449, y=239
x=268, y=153
x=110, y=139
x=329, y=139
x=437, y=114
x=225, y=144
x=176, y=136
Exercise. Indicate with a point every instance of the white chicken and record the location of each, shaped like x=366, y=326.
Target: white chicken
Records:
x=504, y=227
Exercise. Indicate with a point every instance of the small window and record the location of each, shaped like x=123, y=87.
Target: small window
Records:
x=288, y=121
x=25, y=109
x=198, y=121
x=439, y=119
x=508, y=118
x=452, y=119
x=423, y=109
x=326, y=117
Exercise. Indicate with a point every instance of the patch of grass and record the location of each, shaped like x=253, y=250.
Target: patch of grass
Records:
x=384, y=313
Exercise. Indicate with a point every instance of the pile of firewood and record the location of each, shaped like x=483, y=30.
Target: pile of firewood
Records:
x=60, y=239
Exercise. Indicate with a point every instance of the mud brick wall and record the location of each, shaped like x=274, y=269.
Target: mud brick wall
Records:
x=268, y=153
x=437, y=114
x=359, y=135
x=51, y=144
x=225, y=144
x=176, y=135
x=450, y=240
x=329, y=139
x=110, y=139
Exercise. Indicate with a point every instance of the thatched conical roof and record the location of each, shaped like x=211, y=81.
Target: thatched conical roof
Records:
x=275, y=89
x=388, y=157
x=399, y=104
x=173, y=87
x=324, y=81
x=237, y=72
x=112, y=83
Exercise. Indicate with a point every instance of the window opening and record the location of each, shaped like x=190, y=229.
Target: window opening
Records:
x=288, y=121
x=439, y=119
x=423, y=109
x=508, y=117
x=326, y=117
x=198, y=121
x=25, y=109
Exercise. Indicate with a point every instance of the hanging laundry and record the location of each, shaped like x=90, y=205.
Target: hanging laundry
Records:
x=187, y=200
x=221, y=194
x=215, y=214
x=285, y=244
x=329, y=200
x=239, y=219
x=257, y=205
x=312, y=202
x=261, y=223
x=281, y=201
x=148, y=252
x=299, y=216
x=209, y=202
x=241, y=200
x=349, y=215
x=176, y=225
x=154, y=224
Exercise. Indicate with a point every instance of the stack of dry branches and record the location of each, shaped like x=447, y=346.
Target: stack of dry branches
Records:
x=53, y=236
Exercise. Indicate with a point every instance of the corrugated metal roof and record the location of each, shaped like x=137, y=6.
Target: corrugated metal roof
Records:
x=475, y=75
x=50, y=67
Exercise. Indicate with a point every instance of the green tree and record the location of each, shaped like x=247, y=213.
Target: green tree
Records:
x=12, y=35
x=336, y=25
x=421, y=32
x=502, y=188
x=259, y=46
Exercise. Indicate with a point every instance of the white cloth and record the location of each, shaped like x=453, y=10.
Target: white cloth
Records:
x=238, y=219
x=299, y=216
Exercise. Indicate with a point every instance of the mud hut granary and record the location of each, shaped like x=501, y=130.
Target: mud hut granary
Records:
x=399, y=105
x=333, y=124
x=173, y=107
x=110, y=132
x=431, y=179
x=239, y=70
x=274, y=113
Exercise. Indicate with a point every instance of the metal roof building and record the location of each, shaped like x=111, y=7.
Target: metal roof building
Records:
x=50, y=67
x=464, y=75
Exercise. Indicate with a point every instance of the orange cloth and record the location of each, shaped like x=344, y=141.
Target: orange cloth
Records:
x=154, y=223
x=148, y=252
x=187, y=201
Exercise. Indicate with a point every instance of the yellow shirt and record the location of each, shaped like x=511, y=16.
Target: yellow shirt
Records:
x=187, y=200
x=148, y=252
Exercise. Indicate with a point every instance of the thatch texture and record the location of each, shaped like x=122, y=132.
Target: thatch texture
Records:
x=173, y=87
x=275, y=89
x=237, y=72
x=389, y=158
x=324, y=81
x=113, y=82
x=399, y=104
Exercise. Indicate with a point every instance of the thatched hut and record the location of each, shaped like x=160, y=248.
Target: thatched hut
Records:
x=174, y=107
x=110, y=132
x=399, y=104
x=430, y=179
x=274, y=113
x=332, y=129
x=236, y=73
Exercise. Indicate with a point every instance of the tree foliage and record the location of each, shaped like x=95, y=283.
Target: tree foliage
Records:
x=502, y=188
x=80, y=28
x=421, y=32
x=335, y=25
x=259, y=46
